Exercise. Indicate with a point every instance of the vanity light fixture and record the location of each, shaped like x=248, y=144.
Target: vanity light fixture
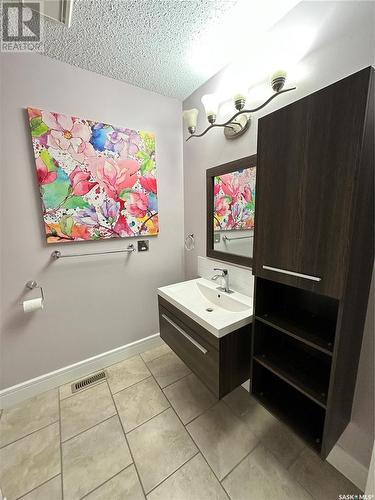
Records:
x=240, y=121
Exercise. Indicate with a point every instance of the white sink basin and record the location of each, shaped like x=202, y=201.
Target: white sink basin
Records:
x=220, y=313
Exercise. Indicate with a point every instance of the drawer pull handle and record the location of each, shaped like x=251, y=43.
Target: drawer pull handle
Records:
x=180, y=330
x=292, y=273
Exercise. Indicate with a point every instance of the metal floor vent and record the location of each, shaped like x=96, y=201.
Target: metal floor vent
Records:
x=93, y=379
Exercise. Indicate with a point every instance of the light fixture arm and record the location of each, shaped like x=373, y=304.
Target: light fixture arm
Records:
x=241, y=112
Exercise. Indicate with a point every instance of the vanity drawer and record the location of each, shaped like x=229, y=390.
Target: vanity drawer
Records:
x=197, y=352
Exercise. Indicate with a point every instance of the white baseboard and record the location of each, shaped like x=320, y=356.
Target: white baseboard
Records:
x=29, y=388
x=348, y=466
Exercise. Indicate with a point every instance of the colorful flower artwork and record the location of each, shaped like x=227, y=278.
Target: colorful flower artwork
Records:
x=234, y=200
x=97, y=181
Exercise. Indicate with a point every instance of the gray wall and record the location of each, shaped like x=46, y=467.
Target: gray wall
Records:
x=327, y=64
x=93, y=304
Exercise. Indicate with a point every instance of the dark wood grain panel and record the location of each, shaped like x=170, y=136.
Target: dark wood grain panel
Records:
x=353, y=307
x=235, y=352
x=205, y=366
x=308, y=157
x=225, y=366
x=315, y=215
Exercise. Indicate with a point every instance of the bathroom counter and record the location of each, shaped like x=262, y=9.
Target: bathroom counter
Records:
x=218, y=312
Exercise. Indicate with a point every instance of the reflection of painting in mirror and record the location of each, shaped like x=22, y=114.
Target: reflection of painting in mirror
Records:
x=234, y=207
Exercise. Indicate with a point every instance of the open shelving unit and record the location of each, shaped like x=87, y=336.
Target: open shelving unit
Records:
x=313, y=256
x=294, y=336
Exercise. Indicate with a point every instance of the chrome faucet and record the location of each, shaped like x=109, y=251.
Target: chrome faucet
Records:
x=225, y=275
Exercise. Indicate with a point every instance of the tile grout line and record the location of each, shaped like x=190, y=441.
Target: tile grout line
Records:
x=105, y=482
x=171, y=474
x=157, y=357
x=195, y=418
x=128, y=386
x=260, y=442
x=174, y=472
x=61, y=455
x=146, y=421
x=168, y=385
x=105, y=369
x=84, y=389
x=297, y=457
x=36, y=487
x=89, y=428
x=30, y=434
x=203, y=411
x=200, y=451
x=242, y=459
x=127, y=442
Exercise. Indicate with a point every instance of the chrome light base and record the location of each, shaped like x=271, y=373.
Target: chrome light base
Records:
x=238, y=127
x=278, y=83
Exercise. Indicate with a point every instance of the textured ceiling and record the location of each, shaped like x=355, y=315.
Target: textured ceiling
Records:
x=143, y=42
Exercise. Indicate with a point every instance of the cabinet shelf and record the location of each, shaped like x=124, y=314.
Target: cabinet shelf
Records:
x=298, y=412
x=306, y=369
x=313, y=256
x=309, y=330
x=301, y=314
x=293, y=376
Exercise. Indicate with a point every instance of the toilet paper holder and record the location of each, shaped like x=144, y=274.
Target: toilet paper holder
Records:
x=31, y=285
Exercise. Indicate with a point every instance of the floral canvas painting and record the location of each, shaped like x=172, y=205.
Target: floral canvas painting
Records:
x=234, y=199
x=97, y=181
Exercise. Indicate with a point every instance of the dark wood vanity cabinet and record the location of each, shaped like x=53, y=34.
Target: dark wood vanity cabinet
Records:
x=222, y=364
x=313, y=256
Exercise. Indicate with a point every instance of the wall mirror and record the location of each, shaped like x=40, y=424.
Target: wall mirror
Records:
x=230, y=211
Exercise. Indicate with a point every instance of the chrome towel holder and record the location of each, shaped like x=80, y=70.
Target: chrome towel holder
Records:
x=56, y=254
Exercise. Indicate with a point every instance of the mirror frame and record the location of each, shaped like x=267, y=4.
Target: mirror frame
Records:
x=211, y=173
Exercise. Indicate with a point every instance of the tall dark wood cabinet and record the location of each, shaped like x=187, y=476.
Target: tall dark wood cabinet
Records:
x=313, y=256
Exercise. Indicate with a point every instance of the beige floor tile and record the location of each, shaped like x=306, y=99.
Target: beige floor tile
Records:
x=168, y=369
x=160, y=447
x=239, y=401
x=29, y=416
x=126, y=373
x=139, y=403
x=261, y=476
x=94, y=456
x=66, y=389
x=283, y=443
x=319, y=478
x=277, y=437
x=124, y=486
x=193, y=481
x=222, y=437
x=29, y=462
x=258, y=418
x=155, y=353
x=51, y=490
x=85, y=409
x=189, y=397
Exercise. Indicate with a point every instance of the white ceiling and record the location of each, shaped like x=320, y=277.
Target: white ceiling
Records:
x=173, y=46
x=168, y=46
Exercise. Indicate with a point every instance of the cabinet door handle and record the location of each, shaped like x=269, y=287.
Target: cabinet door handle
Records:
x=187, y=336
x=292, y=273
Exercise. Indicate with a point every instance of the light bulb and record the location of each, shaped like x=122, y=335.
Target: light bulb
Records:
x=190, y=117
x=211, y=105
